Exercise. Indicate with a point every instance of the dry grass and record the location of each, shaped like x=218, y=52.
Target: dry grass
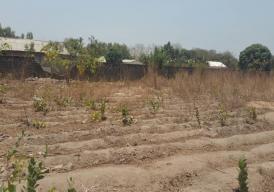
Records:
x=232, y=89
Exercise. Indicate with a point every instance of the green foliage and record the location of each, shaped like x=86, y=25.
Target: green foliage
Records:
x=3, y=88
x=114, y=57
x=29, y=35
x=169, y=55
x=126, y=118
x=9, y=33
x=243, y=176
x=40, y=105
x=35, y=174
x=17, y=167
x=256, y=57
x=99, y=115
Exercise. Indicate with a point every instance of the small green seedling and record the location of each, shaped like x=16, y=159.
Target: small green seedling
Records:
x=126, y=118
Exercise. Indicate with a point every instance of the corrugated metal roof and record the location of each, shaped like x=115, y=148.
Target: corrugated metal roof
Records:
x=216, y=64
x=132, y=62
x=20, y=44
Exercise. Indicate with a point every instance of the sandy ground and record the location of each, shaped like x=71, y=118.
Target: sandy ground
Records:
x=165, y=151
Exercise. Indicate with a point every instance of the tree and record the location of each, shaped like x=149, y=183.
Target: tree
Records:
x=255, y=57
x=74, y=46
x=7, y=32
x=29, y=35
x=114, y=57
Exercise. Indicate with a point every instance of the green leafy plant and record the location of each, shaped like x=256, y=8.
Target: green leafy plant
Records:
x=99, y=115
x=126, y=118
x=35, y=174
x=243, y=176
x=40, y=105
x=14, y=167
x=38, y=124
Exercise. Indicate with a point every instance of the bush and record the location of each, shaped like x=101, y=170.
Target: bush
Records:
x=40, y=104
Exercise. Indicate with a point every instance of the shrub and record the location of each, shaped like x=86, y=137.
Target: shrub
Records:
x=40, y=104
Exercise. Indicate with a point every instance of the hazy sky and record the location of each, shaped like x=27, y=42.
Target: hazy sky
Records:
x=211, y=24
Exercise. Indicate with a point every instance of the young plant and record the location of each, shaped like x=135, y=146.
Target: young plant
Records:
x=71, y=185
x=197, y=115
x=252, y=113
x=243, y=176
x=14, y=168
x=3, y=90
x=154, y=106
x=35, y=174
x=95, y=116
x=90, y=104
x=222, y=115
x=46, y=151
x=63, y=101
x=126, y=118
x=99, y=115
x=40, y=104
x=38, y=124
x=103, y=110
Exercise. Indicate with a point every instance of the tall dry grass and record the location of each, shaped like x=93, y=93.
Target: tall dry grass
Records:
x=231, y=88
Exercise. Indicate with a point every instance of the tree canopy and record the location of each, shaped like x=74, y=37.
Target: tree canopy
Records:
x=256, y=57
x=9, y=33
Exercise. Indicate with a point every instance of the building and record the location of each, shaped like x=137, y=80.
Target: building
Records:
x=216, y=65
x=23, y=57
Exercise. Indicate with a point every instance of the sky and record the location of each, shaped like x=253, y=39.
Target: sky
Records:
x=223, y=25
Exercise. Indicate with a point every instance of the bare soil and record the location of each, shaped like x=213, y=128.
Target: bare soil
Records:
x=166, y=151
